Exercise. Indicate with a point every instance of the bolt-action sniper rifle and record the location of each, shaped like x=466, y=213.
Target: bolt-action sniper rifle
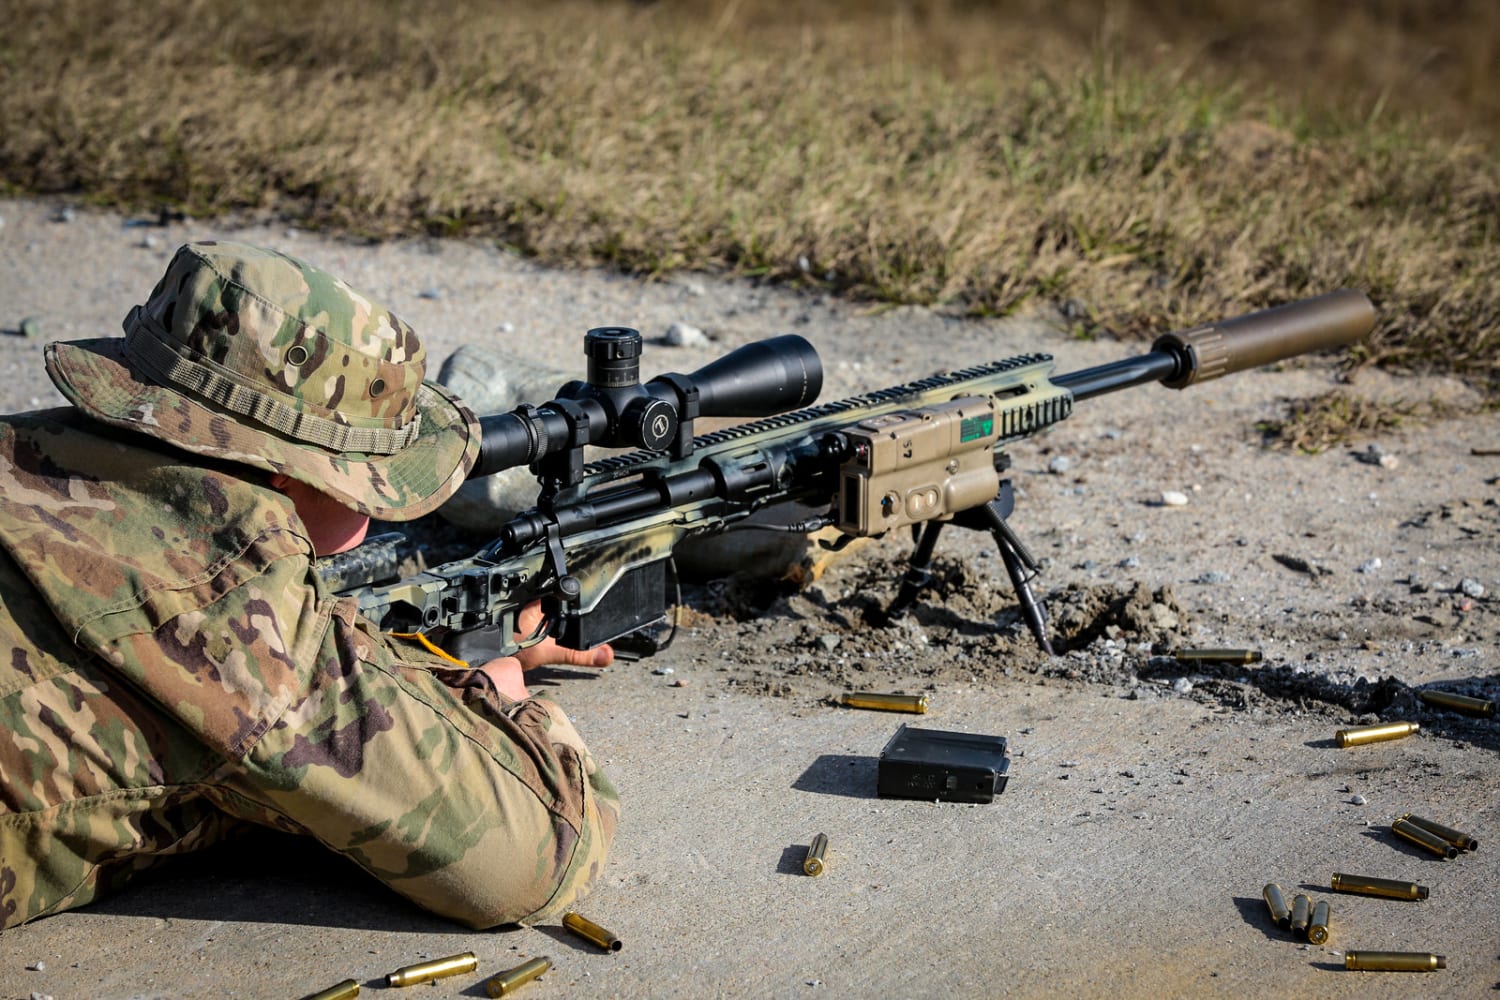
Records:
x=597, y=547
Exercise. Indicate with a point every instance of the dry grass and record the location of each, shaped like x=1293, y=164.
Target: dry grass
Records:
x=1151, y=164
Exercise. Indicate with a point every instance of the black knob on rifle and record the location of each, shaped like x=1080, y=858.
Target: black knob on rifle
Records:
x=650, y=421
x=614, y=356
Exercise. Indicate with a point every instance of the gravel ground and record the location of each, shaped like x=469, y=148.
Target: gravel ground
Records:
x=1360, y=581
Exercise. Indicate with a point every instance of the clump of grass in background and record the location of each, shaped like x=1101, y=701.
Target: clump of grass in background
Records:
x=983, y=158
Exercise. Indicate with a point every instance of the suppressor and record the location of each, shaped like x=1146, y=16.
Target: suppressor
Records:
x=346, y=990
x=590, y=931
x=1387, y=888
x=913, y=703
x=1457, y=838
x=438, y=968
x=1317, y=928
x=813, y=863
x=510, y=980
x=1394, y=961
x=1217, y=655
x=1423, y=838
x=1360, y=735
x=1459, y=703
x=1281, y=915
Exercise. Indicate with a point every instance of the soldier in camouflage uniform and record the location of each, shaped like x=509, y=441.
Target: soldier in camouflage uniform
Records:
x=173, y=671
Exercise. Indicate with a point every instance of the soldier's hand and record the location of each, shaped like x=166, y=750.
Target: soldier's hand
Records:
x=508, y=672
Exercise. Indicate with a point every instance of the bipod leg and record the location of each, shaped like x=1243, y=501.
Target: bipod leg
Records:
x=1017, y=564
x=918, y=573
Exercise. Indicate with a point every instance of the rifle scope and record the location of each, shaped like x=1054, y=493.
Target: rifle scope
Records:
x=612, y=409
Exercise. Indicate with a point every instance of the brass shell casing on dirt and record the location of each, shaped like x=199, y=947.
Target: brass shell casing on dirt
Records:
x=1386, y=888
x=510, y=980
x=1394, y=961
x=1317, y=928
x=346, y=990
x=813, y=863
x=438, y=968
x=1281, y=914
x=1457, y=838
x=1360, y=735
x=1426, y=839
x=1301, y=914
x=590, y=931
x=1217, y=655
x=914, y=703
x=1459, y=703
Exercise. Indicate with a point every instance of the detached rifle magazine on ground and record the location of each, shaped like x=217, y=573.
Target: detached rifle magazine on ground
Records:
x=936, y=764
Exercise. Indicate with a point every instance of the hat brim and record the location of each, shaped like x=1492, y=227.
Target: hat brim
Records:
x=96, y=377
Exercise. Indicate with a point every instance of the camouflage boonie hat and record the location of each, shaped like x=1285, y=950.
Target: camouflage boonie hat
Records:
x=253, y=356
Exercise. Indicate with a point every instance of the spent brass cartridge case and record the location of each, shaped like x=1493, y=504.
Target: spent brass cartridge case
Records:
x=914, y=703
x=1459, y=703
x=1388, y=888
x=813, y=863
x=1423, y=838
x=1394, y=961
x=1317, y=928
x=1301, y=914
x=590, y=931
x=1217, y=655
x=1281, y=914
x=438, y=968
x=346, y=990
x=1457, y=838
x=1360, y=735
x=511, y=980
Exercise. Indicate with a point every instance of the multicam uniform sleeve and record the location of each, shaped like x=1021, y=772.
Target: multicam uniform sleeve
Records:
x=481, y=809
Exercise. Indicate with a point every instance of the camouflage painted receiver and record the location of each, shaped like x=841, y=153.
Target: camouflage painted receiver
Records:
x=596, y=549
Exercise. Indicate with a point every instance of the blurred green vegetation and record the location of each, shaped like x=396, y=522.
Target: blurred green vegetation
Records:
x=1149, y=165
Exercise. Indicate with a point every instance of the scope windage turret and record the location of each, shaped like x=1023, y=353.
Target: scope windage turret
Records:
x=612, y=409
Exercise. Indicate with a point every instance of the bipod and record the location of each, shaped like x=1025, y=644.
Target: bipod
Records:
x=1020, y=566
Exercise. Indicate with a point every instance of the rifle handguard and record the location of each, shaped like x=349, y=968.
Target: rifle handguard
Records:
x=1268, y=336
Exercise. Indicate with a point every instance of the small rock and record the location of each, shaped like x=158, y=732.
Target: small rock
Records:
x=829, y=642
x=1369, y=566
x=37, y=966
x=1173, y=498
x=679, y=683
x=1059, y=465
x=1182, y=685
x=31, y=327
x=663, y=671
x=1130, y=562
x=430, y=293
x=64, y=214
x=803, y=264
x=1471, y=588
x=1357, y=800
x=683, y=335
x=506, y=327
x=149, y=242
x=40, y=996
x=1213, y=576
